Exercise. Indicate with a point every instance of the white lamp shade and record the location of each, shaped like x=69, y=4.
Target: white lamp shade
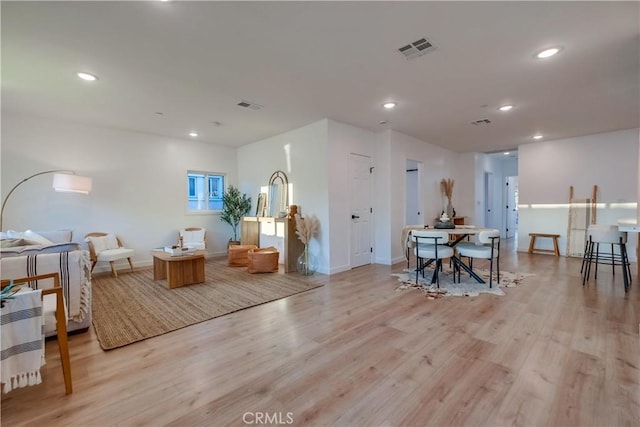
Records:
x=71, y=183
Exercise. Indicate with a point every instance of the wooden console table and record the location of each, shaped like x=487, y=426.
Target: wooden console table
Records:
x=284, y=237
x=178, y=270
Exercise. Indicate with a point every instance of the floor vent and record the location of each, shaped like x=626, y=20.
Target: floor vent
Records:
x=417, y=48
x=481, y=122
x=248, y=104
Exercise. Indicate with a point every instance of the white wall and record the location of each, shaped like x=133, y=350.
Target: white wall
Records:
x=139, y=182
x=318, y=167
x=437, y=164
x=382, y=218
x=547, y=169
x=344, y=140
x=463, y=171
x=500, y=168
x=302, y=154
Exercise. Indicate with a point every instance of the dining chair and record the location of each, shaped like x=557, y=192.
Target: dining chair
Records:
x=407, y=241
x=107, y=247
x=487, y=247
x=431, y=246
x=53, y=312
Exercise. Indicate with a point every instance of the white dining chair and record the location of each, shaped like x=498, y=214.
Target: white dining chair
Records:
x=431, y=246
x=487, y=247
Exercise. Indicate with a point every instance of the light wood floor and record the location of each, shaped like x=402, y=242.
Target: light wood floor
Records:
x=355, y=352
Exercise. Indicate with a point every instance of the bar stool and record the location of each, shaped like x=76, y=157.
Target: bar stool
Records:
x=609, y=236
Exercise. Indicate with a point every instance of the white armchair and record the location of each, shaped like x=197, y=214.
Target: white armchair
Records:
x=194, y=238
x=107, y=247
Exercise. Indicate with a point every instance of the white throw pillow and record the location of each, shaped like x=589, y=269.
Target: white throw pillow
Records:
x=102, y=243
x=111, y=241
x=193, y=236
x=99, y=243
x=34, y=238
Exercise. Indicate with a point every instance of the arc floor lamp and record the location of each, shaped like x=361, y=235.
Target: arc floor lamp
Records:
x=63, y=181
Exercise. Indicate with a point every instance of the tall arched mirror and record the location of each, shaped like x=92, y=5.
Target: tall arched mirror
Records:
x=278, y=198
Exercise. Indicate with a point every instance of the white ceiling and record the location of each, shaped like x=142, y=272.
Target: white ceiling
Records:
x=304, y=61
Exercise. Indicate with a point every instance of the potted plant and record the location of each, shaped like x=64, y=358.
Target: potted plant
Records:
x=235, y=206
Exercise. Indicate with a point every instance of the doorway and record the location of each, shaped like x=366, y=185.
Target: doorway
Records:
x=488, y=199
x=361, y=228
x=511, y=213
x=413, y=194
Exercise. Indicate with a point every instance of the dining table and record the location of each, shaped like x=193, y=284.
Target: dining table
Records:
x=456, y=235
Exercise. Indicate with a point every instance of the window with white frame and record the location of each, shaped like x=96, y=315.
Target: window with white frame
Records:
x=204, y=191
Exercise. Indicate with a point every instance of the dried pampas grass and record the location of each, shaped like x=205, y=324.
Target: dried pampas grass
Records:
x=446, y=187
x=306, y=228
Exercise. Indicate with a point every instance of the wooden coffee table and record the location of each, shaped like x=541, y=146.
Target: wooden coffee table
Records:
x=178, y=270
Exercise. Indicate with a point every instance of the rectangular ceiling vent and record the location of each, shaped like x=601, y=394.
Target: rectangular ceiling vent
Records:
x=417, y=48
x=481, y=122
x=248, y=104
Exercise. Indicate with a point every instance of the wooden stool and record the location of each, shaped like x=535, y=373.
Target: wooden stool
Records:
x=263, y=260
x=532, y=243
x=237, y=256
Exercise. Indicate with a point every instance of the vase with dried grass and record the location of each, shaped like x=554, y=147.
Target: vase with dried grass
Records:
x=446, y=187
x=306, y=229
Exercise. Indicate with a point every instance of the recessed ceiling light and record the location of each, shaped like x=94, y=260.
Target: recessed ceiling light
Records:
x=86, y=76
x=505, y=108
x=537, y=136
x=389, y=105
x=193, y=134
x=547, y=53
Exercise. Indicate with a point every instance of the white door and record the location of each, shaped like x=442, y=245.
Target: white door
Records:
x=491, y=214
x=413, y=195
x=361, y=228
x=511, y=213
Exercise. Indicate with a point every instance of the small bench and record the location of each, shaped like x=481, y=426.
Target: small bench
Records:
x=532, y=243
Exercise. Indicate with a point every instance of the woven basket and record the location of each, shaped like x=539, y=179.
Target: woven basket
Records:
x=237, y=256
x=263, y=260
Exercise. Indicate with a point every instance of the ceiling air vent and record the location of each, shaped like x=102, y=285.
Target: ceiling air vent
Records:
x=417, y=48
x=248, y=104
x=481, y=122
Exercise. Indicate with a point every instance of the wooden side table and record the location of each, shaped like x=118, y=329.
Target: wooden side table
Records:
x=180, y=270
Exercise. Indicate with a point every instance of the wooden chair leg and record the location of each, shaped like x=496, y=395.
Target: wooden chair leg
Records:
x=130, y=264
x=93, y=265
x=114, y=273
x=63, y=344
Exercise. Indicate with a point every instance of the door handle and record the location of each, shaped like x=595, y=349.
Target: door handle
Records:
x=354, y=216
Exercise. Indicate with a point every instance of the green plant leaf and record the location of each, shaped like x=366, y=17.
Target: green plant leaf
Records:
x=235, y=206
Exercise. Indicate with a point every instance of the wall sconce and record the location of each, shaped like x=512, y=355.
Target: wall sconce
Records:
x=63, y=181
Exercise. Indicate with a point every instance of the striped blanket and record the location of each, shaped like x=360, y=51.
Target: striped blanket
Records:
x=75, y=276
x=22, y=340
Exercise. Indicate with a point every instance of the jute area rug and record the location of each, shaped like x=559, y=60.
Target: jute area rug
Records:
x=134, y=307
x=468, y=286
